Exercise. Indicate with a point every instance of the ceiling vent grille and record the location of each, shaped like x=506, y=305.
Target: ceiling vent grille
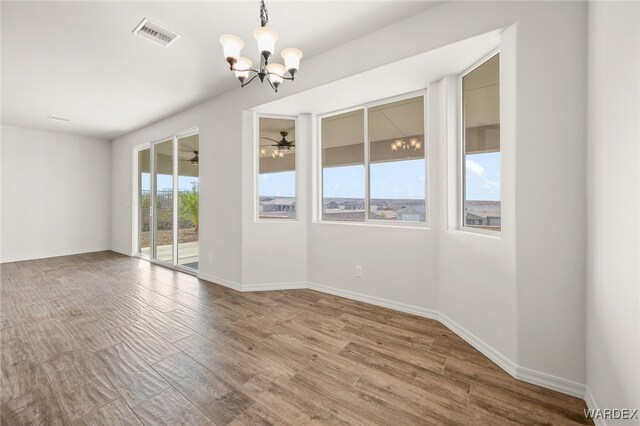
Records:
x=156, y=33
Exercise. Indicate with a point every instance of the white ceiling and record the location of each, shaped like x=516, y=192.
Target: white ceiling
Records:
x=79, y=60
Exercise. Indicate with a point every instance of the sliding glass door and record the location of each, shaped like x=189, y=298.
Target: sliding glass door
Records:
x=168, y=201
x=163, y=205
x=188, y=200
x=144, y=202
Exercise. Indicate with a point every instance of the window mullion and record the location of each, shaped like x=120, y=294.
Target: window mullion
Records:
x=366, y=164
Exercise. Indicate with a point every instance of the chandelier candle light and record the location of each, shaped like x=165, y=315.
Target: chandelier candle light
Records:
x=266, y=38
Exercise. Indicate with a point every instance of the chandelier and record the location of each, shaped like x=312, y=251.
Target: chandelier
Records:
x=401, y=144
x=275, y=153
x=266, y=37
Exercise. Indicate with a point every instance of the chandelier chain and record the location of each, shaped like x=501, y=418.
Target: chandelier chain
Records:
x=264, y=15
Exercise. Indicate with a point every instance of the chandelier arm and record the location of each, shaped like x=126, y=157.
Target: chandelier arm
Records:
x=249, y=81
x=246, y=70
x=281, y=76
x=271, y=84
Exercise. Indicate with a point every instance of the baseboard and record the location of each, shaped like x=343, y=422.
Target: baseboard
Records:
x=372, y=300
x=485, y=349
x=593, y=405
x=538, y=378
x=274, y=286
x=550, y=381
x=252, y=287
x=51, y=255
x=120, y=251
x=528, y=375
x=223, y=282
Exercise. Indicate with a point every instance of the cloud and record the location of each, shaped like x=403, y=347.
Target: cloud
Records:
x=490, y=184
x=474, y=168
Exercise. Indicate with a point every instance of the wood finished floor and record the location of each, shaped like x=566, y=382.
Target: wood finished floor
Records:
x=104, y=339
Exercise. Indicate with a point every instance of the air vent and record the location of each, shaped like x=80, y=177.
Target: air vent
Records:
x=156, y=33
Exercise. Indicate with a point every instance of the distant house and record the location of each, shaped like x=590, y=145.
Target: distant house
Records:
x=411, y=213
x=352, y=205
x=475, y=219
x=278, y=205
x=379, y=205
x=481, y=218
x=483, y=213
x=332, y=205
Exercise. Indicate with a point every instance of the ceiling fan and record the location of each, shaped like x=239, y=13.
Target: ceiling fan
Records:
x=195, y=160
x=283, y=143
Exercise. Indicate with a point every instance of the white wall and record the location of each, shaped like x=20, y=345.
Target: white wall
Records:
x=613, y=278
x=523, y=297
x=477, y=285
x=274, y=252
x=550, y=193
x=55, y=194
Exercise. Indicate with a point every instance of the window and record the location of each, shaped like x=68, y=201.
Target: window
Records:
x=277, y=168
x=343, y=180
x=382, y=180
x=396, y=161
x=481, y=146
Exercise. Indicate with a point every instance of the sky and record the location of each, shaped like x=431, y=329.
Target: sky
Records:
x=281, y=184
x=393, y=180
x=483, y=176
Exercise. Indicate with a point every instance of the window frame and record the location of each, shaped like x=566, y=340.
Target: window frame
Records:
x=367, y=181
x=256, y=168
x=462, y=175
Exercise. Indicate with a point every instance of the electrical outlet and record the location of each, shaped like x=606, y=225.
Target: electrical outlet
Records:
x=210, y=257
x=358, y=271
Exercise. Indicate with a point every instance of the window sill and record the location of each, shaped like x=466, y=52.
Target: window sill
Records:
x=374, y=224
x=259, y=220
x=481, y=232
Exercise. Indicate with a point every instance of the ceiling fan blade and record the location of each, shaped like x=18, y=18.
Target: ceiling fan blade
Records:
x=269, y=139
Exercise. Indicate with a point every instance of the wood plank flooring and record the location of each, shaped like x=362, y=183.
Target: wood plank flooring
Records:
x=105, y=339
